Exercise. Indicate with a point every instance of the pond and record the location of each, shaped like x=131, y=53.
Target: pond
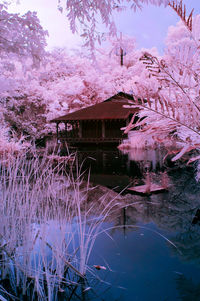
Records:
x=152, y=251
x=143, y=265
x=85, y=242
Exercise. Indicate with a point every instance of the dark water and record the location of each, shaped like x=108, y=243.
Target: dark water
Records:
x=147, y=268
x=151, y=250
x=113, y=169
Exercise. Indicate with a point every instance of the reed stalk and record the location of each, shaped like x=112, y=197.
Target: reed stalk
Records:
x=47, y=229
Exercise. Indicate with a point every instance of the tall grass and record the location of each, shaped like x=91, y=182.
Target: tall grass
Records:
x=47, y=228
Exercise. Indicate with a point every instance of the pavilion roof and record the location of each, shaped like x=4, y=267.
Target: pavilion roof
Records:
x=111, y=108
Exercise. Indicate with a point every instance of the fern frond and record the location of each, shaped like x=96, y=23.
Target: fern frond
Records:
x=180, y=9
x=172, y=113
x=167, y=77
x=154, y=67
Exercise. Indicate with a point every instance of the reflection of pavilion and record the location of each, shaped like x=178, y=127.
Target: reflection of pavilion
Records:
x=147, y=159
x=112, y=168
x=108, y=168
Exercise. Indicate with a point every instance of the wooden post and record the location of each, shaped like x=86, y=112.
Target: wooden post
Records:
x=73, y=129
x=66, y=131
x=57, y=130
x=80, y=129
x=121, y=51
x=122, y=56
x=124, y=221
x=103, y=129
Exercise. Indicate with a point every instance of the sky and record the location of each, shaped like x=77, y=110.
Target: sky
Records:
x=149, y=26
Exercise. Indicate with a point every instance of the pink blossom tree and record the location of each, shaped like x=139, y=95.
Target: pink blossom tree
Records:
x=69, y=82
x=22, y=42
x=173, y=110
x=84, y=16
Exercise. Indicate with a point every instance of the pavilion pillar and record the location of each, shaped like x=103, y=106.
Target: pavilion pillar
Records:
x=66, y=131
x=57, y=123
x=80, y=129
x=103, y=128
x=73, y=129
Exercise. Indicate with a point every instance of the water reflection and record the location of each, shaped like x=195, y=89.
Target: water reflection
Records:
x=151, y=159
x=171, y=212
x=135, y=242
x=151, y=227
x=116, y=169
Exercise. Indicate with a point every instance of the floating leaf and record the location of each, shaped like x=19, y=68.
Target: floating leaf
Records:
x=99, y=267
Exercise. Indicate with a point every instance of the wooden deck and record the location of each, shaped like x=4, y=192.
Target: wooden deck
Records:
x=77, y=140
x=146, y=190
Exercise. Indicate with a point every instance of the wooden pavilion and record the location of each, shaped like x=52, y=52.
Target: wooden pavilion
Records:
x=99, y=123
